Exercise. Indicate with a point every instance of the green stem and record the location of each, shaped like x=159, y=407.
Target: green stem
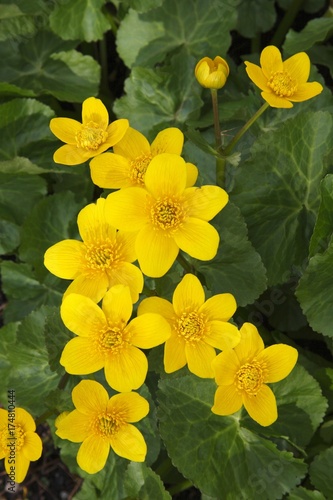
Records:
x=286, y=22
x=220, y=162
x=242, y=131
x=183, y=262
x=177, y=488
x=44, y=416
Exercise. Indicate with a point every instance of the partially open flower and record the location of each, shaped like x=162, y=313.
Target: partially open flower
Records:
x=212, y=73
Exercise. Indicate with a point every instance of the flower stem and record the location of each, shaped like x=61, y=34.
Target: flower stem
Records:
x=182, y=486
x=220, y=162
x=242, y=131
x=183, y=262
x=286, y=22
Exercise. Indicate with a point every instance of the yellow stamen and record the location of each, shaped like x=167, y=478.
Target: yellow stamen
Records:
x=249, y=378
x=101, y=256
x=282, y=84
x=191, y=326
x=17, y=435
x=111, y=339
x=139, y=167
x=167, y=214
x=108, y=424
x=90, y=137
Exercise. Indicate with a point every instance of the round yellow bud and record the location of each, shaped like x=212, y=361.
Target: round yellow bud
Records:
x=212, y=74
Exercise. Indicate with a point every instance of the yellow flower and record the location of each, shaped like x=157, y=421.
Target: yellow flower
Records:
x=127, y=165
x=19, y=443
x=102, y=260
x=87, y=139
x=105, y=338
x=100, y=422
x=167, y=215
x=196, y=326
x=242, y=375
x=212, y=73
x=285, y=82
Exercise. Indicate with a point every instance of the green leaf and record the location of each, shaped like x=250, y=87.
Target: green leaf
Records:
x=321, y=472
x=277, y=190
x=255, y=16
x=30, y=375
x=316, y=30
x=303, y=494
x=159, y=98
x=79, y=20
x=301, y=408
x=142, y=483
x=324, y=224
x=322, y=54
x=48, y=223
x=9, y=237
x=175, y=25
x=315, y=292
x=145, y=5
x=8, y=89
x=21, y=19
x=45, y=64
x=56, y=337
x=237, y=267
x=220, y=455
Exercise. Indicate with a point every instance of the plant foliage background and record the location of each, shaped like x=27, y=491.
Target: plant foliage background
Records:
x=276, y=251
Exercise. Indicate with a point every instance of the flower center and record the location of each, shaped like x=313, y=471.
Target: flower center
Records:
x=167, y=214
x=139, y=167
x=101, y=256
x=108, y=424
x=249, y=378
x=191, y=326
x=282, y=84
x=16, y=438
x=111, y=339
x=90, y=137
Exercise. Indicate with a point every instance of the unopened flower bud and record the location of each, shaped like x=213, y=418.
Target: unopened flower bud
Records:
x=212, y=74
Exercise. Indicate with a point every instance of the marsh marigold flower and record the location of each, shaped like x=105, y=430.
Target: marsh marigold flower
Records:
x=197, y=327
x=19, y=443
x=87, y=139
x=242, y=375
x=101, y=423
x=167, y=215
x=212, y=73
x=103, y=259
x=106, y=339
x=127, y=165
x=283, y=82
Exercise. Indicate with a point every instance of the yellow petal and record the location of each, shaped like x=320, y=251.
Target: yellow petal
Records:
x=189, y=295
x=221, y=307
x=205, y=202
x=90, y=397
x=198, y=238
x=110, y=171
x=65, y=129
x=93, y=110
x=126, y=239
x=166, y=176
x=306, y=91
x=199, y=358
x=227, y=400
x=126, y=370
x=23, y=418
x=116, y=131
x=279, y=360
x=117, y=305
x=93, y=454
x=148, y=330
x=276, y=101
x=298, y=67
x=80, y=357
x=157, y=305
x=75, y=426
x=81, y=315
x=70, y=154
x=132, y=145
x=93, y=223
x=174, y=354
x=169, y=140
x=131, y=405
x=156, y=252
x=32, y=447
x=191, y=174
x=129, y=275
x=21, y=467
x=251, y=343
x=271, y=60
x=222, y=335
x=129, y=443
x=225, y=366
x=126, y=209
x=64, y=259
x=262, y=407
x=255, y=74
x=94, y=287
